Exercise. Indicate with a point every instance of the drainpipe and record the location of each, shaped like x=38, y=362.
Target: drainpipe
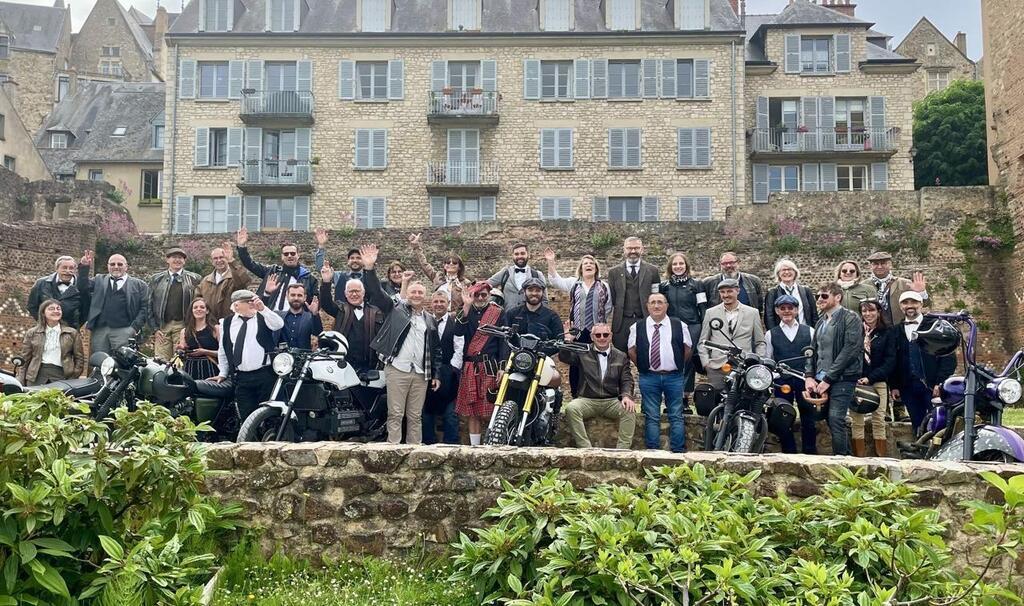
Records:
x=732, y=88
x=174, y=143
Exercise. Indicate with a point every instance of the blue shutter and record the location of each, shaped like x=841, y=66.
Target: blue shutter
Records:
x=438, y=75
x=303, y=145
x=187, y=79
x=760, y=183
x=877, y=113
x=792, y=64
x=182, y=215
x=378, y=212
x=346, y=79
x=362, y=155
x=599, y=78
x=829, y=180
x=362, y=212
x=547, y=209
x=548, y=141
x=438, y=211
x=254, y=74
x=301, y=213
x=581, y=74
x=649, y=78
x=234, y=146
x=668, y=78
x=841, y=42
x=234, y=214
x=827, y=122
x=880, y=176
x=396, y=79
x=634, y=147
x=701, y=78
x=599, y=209
x=616, y=147
x=253, y=155
x=379, y=148
x=564, y=148
x=762, y=114
x=251, y=214
x=489, y=75
x=684, y=144
x=236, y=78
x=531, y=79
x=202, y=155
x=809, y=111
x=702, y=147
x=810, y=174
x=703, y=210
x=488, y=210
x=687, y=209
x=304, y=76
x=649, y=212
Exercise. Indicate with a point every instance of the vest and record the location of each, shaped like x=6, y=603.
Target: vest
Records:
x=115, y=309
x=631, y=305
x=784, y=349
x=447, y=339
x=358, y=343
x=264, y=336
x=175, y=304
x=643, y=346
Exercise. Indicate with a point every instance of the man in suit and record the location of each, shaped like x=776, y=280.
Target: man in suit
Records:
x=741, y=325
x=60, y=286
x=277, y=277
x=119, y=303
x=172, y=291
x=353, y=317
x=751, y=289
x=629, y=285
x=918, y=374
x=838, y=359
x=660, y=347
x=890, y=289
x=606, y=388
x=441, y=403
x=509, y=280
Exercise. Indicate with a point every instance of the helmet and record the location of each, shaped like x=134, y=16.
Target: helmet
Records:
x=705, y=398
x=781, y=415
x=333, y=340
x=865, y=400
x=940, y=338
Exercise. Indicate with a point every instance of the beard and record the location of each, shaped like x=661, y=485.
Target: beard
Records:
x=520, y=262
x=533, y=300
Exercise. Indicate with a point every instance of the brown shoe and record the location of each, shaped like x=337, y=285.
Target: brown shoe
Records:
x=881, y=448
x=860, y=449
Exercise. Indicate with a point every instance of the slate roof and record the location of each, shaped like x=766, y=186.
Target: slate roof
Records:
x=92, y=112
x=22, y=19
x=141, y=39
x=430, y=16
x=140, y=17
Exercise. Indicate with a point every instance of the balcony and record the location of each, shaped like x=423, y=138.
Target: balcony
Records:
x=475, y=177
x=803, y=143
x=277, y=176
x=463, y=107
x=293, y=108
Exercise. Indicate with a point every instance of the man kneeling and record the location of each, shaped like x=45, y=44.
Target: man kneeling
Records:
x=606, y=387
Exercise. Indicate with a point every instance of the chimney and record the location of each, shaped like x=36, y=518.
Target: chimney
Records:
x=846, y=7
x=961, y=42
x=159, y=48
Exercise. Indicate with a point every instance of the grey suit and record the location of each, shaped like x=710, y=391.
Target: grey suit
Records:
x=746, y=332
x=137, y=297
x=648, y=279
x=505, y=280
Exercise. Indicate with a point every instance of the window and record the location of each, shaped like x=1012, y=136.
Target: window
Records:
x=937, y=80
x=556, y=79
x=372, y=78
x=621, y=14
x=463, y=75
x=555, y=208
x=465, y=14
x=783, y=178
x=281, y=15
x=556, y=148
x=371, y=148
x=623, y=148
x=63, y=86
x=110, y=68
x=930, y=50
x=119, y=131
x=694, y=148
x=110, y=21
x=158, y=136
x=4, y=78
x=850, y=124
x=218, y=147
x=215, y=16
x=95, y=174
x=9, y=163
x=557, y=15
x=151, y=185
x=375, y=15
x=456, y=211
x=5, y=47
x=3, y=126
x=815, y=55
x=58, y=140
x=213, y=80
x=463, y=210
x=625, y=209
x=852, y=178
x=691, y=14
x=278, y=213
x=370, y=212
x=280, y=76
x=211, y=215
x=695, y=209
x=623, y=79
x=111, y=51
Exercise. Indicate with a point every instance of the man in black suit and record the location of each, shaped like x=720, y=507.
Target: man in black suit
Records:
x=629, y=285
x=353, y=317
x=918, y=374
x=606, y=388
x=441, y=403
x=62, y=286
x=751, y=288
x=119, y=303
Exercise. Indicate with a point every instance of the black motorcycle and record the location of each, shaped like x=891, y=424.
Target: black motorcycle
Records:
x=82, y=389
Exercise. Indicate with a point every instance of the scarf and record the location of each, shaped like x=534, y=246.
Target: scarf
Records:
x=846, y=284
x=882, y=286
x=683, y=279
x=794, y=291
x=867, y=344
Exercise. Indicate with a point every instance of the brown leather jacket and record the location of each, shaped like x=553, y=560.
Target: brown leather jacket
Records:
x=72, y=354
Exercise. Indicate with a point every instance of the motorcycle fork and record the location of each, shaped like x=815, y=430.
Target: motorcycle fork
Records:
x=530, y=395
x=727, y=414
x=502, y=389
x=291, y=401
x=277, y=388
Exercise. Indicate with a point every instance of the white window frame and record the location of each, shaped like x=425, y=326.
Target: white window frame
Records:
x=694, y=203
x=811, y=65
x=561, y=138
x=215, y=133
x=159, y=132
x=783, y=177
x=624, y=211
x=619, y=88
x=850, y=169
x=560, y=9
x=119, y=131
x=627, y=133
x=372, y=220
x=10, y=163
x=372, y=160
x=58, y=140
x=375, y=27
x=142, y=184
x=553, y=81
x=287, y=8
x=110, y=51
x=281, y=211
x=209, y=214
x=622, y=19
x=206, y=6
x=63, y=91
x=5, y=46
x=111, y=67
x=378, y=74
x=938, y=79
x=559, y=208
x=691, y=14
x=450, y=217
x=219, y=86
x=95, y=174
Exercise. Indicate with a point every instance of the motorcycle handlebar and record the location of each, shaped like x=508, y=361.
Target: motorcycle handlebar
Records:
x=726, y=349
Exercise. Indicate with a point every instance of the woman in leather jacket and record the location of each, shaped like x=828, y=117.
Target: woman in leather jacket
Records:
x=686, y=302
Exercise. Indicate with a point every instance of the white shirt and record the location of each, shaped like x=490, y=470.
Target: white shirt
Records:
x=51, y=346
x=632, y=268
x=789, y=330
x=518, y=277
x=253, y=356
x=217, y=277
x=668, y=358
x=61, y=286
x=410, y=355
x=794, y=291
x=282, y=300
x=909, y=328
x=117, y=283
x=602, y=361
x=458, y=341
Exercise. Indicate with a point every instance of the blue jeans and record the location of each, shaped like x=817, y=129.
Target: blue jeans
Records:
x=652, y=387
x=449, y=426
x=839, y=400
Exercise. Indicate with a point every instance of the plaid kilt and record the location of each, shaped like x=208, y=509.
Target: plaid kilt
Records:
x=473, y=386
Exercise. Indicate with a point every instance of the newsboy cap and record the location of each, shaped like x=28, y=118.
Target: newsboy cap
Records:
x=532, y=283
x=175, y=251
x=879, y=256
x=729, y=283
x=242, y=295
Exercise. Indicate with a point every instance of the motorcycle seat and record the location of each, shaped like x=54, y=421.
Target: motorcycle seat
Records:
x=76, y=388
x=209, y=389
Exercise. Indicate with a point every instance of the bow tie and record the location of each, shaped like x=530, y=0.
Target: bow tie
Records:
x=520, y=270
x=601, y=353
x=911, y=323
x=359, y=307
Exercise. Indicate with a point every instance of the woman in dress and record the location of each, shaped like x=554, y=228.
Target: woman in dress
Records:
x=50, y=350
x=452, y=280
x=686, y=303
x=200, y=340
x=879, y=364
x=854, y=291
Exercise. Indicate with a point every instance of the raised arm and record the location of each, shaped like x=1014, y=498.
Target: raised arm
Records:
x=425, y=266
x=242, y=240
x=374, y=293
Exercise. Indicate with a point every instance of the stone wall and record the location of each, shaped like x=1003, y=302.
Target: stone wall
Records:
x=96, y=33
x=325, y=499
x=946, y=58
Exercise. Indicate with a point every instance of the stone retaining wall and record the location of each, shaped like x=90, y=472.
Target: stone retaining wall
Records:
x=328, y=498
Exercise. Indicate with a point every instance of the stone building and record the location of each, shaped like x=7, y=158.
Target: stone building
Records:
x=112, y=132
x=35, y=46
x=942, y=61
x=410, y=113
x=17, y=150
x=115, y=43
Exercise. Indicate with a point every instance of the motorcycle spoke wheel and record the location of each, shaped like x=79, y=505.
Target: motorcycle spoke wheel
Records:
x=505, y=422
x=262, y=426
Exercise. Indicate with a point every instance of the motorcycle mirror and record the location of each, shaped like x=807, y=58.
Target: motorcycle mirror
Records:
x=808, y=352
x=716, y=323
x=18, y=361
x=133, y=343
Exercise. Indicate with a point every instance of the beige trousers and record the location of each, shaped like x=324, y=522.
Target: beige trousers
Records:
x=406, y=394
x=581, y=409
x=172, y=332
x=877, y=418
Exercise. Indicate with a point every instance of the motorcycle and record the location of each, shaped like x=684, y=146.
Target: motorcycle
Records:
x=979, y=392
x=82, y=389
x=739, y=418
x=131, y=377
x=528, y=396
x=328, y=399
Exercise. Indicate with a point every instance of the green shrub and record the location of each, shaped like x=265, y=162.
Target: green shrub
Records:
x=601, y=241
x=688, y=536
x=102, y=514
x=787, y=245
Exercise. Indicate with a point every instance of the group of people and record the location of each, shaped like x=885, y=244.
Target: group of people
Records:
x=424, y=333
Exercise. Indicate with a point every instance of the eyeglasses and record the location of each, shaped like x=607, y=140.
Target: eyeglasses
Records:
x=824, y=295
x=289, y=254
x=600, y=335
x=481, y=295
x=847, y=271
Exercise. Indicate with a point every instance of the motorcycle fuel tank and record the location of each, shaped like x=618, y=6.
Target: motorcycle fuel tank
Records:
x=327, y=371
x=953, y=390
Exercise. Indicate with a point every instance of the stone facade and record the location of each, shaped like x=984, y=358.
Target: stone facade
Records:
x=33, y=71
x=942, y=61
x=108, y=27
x=16, y=143
x=325, y=499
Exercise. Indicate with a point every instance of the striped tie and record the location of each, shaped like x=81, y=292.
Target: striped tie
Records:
x=656, y=348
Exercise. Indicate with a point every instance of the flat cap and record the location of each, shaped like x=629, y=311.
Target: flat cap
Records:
x=729, y=283
x=532, y=283
x=879, y=256
x=242, y=295
x=175, y=251
x=787, y=300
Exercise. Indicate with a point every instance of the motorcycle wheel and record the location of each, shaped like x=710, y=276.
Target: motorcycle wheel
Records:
x=711, y=423
x=262, y=425
x=742, y=435
x=113, y=399
x=499, y=434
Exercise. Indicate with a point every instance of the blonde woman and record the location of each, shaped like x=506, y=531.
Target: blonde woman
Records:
x=854, y=290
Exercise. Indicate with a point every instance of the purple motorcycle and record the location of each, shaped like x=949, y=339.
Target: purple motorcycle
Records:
x=951, y=432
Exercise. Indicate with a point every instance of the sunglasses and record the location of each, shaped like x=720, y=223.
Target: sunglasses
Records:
x=847, y=271
x=824, y=295
x=481, y=295
x=289, y=254
x=600, y=335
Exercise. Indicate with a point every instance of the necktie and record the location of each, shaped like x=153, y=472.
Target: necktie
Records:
x=356, y=276
x=588, y=310
x=114, y=283
x=520, y=270
x=175, y=278
x=575, y=315
x=656, y=348
x=632, y=270
x=240, y=343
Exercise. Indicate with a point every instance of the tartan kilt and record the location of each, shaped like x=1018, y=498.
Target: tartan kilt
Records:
x=473, y=386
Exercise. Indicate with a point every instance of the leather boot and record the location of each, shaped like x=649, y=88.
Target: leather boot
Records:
x=881, y=448
x=860, y=449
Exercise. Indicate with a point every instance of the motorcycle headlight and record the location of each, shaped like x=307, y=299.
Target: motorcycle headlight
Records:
x=522, y=362
x=283, y=364
x=107, y=367
x=1009, y=391
x=758, y=377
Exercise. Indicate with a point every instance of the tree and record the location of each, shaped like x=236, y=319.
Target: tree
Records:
x=949, y=133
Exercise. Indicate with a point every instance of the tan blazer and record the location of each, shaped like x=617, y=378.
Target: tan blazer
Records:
x=747, y=334
x=72, y=354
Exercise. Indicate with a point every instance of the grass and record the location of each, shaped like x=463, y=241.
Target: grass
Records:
x=1013, y=417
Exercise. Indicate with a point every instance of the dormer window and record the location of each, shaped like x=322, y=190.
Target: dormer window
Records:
x=557, y=15
x=465, y=14
x=283, y=15
x=58, y=140
x=622, y=14
x=5, y=46
x=376, y=15
x=119, y=131
x=216, y=15
x=691, y=14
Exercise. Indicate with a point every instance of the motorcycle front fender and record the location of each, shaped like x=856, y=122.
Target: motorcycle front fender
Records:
x=282, y=407
x=990, y=440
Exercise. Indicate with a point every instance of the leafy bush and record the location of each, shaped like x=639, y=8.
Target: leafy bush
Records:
x=688, y=536
x=102, y=514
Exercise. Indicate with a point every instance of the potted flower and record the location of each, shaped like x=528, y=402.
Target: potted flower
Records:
x=802, y=129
